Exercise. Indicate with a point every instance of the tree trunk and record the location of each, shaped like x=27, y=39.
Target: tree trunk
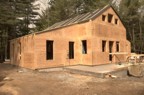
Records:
x=133, y=40
x=129, y=32
x=141, y=42
x=6, y=44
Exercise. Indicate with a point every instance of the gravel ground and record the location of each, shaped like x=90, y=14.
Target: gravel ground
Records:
x=64, y=83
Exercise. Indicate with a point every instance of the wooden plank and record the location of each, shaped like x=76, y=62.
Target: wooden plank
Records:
x=118, y=53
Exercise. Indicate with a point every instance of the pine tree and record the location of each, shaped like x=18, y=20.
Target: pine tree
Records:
x=130, y=12
x=10, y=25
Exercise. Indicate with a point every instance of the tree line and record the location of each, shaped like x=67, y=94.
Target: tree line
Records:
x=132, y=14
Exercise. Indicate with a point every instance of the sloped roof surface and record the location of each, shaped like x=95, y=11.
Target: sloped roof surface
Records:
x=78, y=19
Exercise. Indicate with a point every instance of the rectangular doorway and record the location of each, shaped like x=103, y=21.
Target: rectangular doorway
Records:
x=84, y=47
x=110, y=50
x=49, y=50
x=71, y=50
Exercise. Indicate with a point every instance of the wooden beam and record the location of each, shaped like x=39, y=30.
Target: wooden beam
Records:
x=118, y=53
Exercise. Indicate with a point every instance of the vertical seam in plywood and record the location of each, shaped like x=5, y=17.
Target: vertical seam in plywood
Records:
x=35, y=54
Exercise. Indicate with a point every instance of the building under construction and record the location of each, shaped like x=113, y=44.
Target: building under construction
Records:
x=94, y=38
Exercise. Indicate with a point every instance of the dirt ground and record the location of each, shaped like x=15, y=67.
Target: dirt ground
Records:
x=64, y=83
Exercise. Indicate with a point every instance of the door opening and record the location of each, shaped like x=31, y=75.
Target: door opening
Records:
x=110, y=50
x=71, y=50
x=49, y=50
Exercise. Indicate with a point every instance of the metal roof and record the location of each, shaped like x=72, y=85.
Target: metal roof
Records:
x=78, y=19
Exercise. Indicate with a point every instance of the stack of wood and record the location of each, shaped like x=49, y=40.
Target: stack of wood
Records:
x=136, y=58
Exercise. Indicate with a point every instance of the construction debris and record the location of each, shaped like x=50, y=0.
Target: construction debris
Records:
x=135, y=58
x=20, y=71
x=110, y=76
x=7, y=79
